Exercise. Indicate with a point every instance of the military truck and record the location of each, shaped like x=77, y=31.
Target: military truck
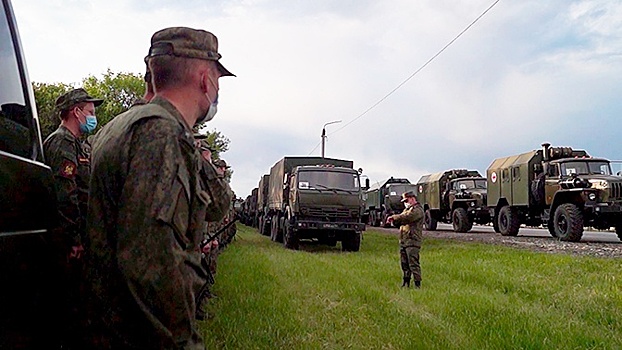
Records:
x=456, y=197
x=263, y=220
x=559, y=187
x=32, y=253
x=383, y=199
x=249, y=207
x=315, y=198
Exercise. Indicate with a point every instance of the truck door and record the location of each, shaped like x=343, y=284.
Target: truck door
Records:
x=506, y=184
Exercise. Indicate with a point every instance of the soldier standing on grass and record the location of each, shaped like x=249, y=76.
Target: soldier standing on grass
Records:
x=147, y=205
x=411, y=229
x=69, y=159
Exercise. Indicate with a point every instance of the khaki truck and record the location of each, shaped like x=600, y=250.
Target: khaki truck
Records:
x=315, y=198
x=263, y=220
x=456, y=197
x=384, y=199
x=558, y=187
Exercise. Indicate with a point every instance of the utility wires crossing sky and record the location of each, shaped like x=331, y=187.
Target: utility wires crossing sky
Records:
x=413, y=74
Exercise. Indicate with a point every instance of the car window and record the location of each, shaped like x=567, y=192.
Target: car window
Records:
x=14, y=115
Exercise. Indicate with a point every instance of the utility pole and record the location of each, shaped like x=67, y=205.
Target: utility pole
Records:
x=324, y=134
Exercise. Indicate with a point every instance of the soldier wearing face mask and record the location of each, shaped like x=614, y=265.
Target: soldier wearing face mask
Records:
x=147, y=205
x=411, y=236
x=69, y=159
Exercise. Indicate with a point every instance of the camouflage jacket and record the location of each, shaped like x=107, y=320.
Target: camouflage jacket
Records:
x=411, y=226
x=145, y=223
x=71, y=166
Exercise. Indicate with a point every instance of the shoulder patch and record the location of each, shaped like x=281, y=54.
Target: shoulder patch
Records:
x=68, y=169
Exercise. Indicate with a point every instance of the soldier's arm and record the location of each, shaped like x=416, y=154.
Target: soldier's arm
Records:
x=153, y=247
x=220, y=193
x=64, y=163
x=407, y=216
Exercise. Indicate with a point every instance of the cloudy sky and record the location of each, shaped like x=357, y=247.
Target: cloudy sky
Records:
x=529, y=71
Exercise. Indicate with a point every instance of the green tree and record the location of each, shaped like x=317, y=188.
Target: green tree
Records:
x=119, y=91
x=45, y=96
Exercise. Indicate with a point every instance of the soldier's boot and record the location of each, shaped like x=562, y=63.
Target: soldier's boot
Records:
x=406, y=282
x=417, y=284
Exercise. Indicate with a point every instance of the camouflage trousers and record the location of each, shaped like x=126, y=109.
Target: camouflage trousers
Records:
x=409, y=259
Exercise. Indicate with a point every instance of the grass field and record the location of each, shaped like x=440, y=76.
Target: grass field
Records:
x=474, y=296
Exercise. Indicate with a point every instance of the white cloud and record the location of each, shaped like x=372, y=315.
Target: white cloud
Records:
x=527, y=72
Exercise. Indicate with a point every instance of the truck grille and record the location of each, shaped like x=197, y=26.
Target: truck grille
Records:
x=329, y=212
x=615, y=190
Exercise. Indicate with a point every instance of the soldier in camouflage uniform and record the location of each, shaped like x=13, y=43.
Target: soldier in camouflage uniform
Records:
x=69, y=159
x=214, y=181
x=147, y=204
x=411, y=236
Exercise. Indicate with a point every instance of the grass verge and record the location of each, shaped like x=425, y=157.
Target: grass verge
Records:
x=474, y=296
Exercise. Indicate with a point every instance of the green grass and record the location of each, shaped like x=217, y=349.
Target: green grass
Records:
x=474, y=296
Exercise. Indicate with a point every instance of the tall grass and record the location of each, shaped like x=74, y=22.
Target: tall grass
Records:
x=474, y=296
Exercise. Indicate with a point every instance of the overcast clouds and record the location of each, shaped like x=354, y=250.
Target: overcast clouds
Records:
x=527, y=72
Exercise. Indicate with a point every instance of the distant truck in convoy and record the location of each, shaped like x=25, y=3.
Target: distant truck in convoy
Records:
x=315, y=198
x=383, y=199
x=559, y=187
x=263, y=220
x=456, y=197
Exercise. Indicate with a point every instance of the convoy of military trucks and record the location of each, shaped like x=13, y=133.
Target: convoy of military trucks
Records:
x=562, y=189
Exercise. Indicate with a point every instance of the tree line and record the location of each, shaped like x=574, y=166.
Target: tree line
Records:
x=118, y=89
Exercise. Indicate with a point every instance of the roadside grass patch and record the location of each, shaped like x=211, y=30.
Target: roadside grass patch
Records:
x=473, y=296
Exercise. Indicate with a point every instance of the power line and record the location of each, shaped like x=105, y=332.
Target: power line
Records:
x=316, y=146
x=415, y=73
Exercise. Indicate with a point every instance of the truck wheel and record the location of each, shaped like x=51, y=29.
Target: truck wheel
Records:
x=568, y=222
x=460, y=220
x=429, y=222
x=376, y=220
x=273, y=230
x=495, y=222
x=352, y=243
x=508, y=221
x=619, y=231
x=260, y=226
x=290, y=239
x=551, y=226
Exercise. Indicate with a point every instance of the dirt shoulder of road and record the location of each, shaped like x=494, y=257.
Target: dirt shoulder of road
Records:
x=547, y=245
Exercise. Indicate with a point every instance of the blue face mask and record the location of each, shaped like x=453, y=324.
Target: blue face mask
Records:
x=90, y=124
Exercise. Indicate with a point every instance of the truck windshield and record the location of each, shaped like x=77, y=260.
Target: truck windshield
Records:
x=585, y=168
x=397, y=190
x=332, y=180
x=470, y=184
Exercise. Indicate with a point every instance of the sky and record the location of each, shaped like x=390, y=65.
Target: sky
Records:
x=527, y=72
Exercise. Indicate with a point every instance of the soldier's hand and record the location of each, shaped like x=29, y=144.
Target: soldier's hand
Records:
x=210, y=246
x=76, y=252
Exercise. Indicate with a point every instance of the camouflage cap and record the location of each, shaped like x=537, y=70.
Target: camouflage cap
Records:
x=409, y=194
x=187, y=42
x=221, y=163
x=73, y=97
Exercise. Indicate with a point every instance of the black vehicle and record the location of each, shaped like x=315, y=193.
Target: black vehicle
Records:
x=30, y=263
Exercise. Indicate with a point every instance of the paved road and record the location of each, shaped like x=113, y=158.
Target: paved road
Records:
x=588, y=236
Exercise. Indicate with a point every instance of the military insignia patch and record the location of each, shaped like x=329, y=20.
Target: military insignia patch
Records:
x=68, y=169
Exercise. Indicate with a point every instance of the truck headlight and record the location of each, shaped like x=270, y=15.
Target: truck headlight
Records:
x=591, y=196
